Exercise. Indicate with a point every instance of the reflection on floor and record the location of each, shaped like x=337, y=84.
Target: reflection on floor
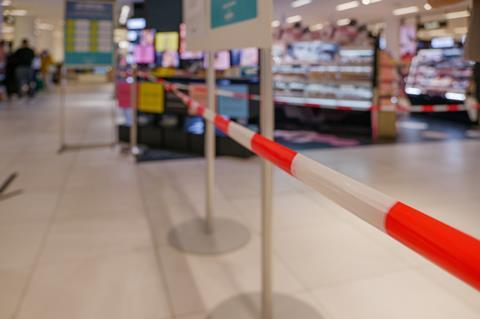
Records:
x=418, y=128
x=87, y=238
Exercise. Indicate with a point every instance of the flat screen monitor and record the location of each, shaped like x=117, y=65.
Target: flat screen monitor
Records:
x=222, y=60
x=144, y=51
x=170, y=59
x=136, y=24
x=192, y=55
x=249, y=57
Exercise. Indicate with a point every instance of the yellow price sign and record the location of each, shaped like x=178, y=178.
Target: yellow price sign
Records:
x=151, y=98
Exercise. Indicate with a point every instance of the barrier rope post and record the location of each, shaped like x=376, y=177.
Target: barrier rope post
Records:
x=134, y=107
x=62, y=114
x=209, y=235
x=210, y=148
x=267, y=128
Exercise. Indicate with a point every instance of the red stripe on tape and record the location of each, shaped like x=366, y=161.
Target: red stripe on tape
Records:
x=344, y=108
x=453, y=108
x=200, y=110
x=278, y=154
x=427, y=108
x=222, y=123
x=449, y=248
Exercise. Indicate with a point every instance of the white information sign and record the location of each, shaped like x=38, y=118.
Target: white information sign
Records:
x=214, y=25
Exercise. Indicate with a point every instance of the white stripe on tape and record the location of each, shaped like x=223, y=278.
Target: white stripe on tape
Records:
x=209, y=115
x=365, y=202
x=241, y=134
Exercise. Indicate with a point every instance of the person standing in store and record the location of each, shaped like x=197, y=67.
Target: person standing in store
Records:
x=46, y=62
x=24, y=73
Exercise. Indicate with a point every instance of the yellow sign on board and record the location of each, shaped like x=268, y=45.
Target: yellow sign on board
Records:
x=151, y=98
x=166, y=41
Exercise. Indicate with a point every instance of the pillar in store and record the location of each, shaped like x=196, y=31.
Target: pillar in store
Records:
x=24, y=29
x=392, y=35
x=44, y=40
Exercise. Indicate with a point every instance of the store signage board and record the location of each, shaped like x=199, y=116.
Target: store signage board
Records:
x=226, y=12
x=88, y=34
x=214, y=25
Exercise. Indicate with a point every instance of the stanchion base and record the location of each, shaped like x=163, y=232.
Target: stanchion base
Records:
x=248, y=306
x=193, y=237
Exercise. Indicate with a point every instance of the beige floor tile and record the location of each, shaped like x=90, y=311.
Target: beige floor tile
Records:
x=80, y=239
x=119, y=286
x=207, y=281
x=326, y=255
x=20, y=244
x=400, y=295
x=12, y=283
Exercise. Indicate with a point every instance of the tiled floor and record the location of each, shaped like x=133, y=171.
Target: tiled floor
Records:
x=86, y=238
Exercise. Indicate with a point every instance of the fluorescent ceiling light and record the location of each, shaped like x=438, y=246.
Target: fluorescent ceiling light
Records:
x=45, y=26
x=300, y=3
x=348, y=5
x=343, y=22
x=316, y=27
x=275, y=24
x=124, y=14
x=457, y=15
x=367, y=2
x=294, y=19
x=18, y=12
x=427, y=6
x=406, y=10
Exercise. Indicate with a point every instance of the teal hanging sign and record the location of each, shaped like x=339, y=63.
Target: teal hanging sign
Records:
x=227, y=12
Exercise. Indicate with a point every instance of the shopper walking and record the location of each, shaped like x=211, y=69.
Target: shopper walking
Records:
x=23, y=58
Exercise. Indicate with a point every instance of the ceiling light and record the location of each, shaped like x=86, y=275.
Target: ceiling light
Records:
x=367, y=2
x=275, y=24
x=427, y=6
x=45, y=26
x=343, y=22
x=457, y=15
x=348, y=5
x=6, y=3
x=316, y=27
x=406, y=10
x=124, y=14
x=17, y=12
x=300, y=3
x=294, y=19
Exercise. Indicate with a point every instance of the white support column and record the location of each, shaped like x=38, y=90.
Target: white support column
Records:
x=392, y=35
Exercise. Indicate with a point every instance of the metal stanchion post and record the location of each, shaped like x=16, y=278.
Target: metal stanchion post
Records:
x=209, y=235
x=210, y=146
x=267, y=128
x=62, y=116
x=134, y=106
x=269, y=304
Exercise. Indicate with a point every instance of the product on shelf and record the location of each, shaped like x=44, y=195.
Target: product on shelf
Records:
x=439, y=73
x=321, y=72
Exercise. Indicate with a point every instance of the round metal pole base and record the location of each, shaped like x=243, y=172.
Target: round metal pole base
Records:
x=195, y=238
x=248, y=306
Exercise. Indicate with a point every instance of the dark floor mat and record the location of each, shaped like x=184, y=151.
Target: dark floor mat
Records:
x=163, y=155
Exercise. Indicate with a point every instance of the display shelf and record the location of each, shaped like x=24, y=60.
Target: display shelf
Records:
x=324, y=73
x=440, y=74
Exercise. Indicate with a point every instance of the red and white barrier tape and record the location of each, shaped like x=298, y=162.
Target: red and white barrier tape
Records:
x=307, y=102
x=449, y=248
